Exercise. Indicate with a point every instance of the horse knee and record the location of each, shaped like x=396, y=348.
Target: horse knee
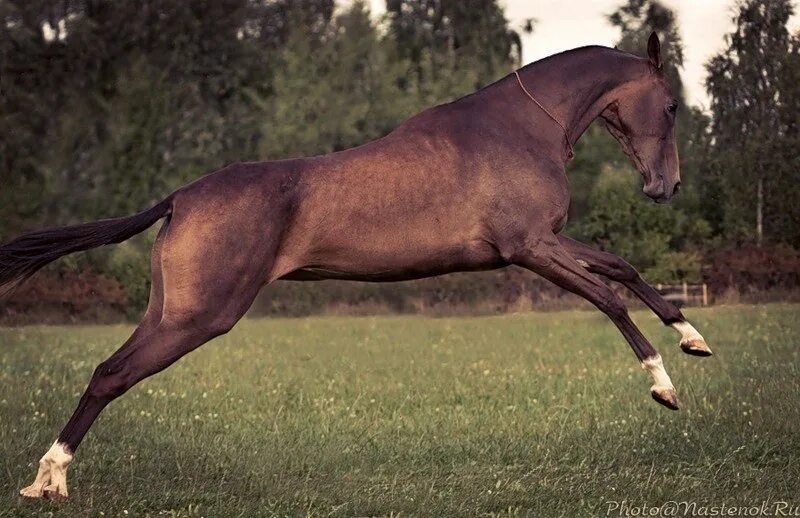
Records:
x=612, y=305
x=622, y=270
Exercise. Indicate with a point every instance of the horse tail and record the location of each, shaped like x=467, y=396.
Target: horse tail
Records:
x=22, y=257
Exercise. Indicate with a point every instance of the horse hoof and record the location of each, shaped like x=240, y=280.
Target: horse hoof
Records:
x=32, y=491
x=666, y=396
x=51, y=478
x=696, y=347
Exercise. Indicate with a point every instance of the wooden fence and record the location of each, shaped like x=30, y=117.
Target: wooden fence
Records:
x=685, y=294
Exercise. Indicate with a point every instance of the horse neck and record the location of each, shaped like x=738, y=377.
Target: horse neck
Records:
x=576, y=86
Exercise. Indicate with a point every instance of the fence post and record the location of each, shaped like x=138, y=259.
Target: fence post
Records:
x=705, y=294
x=685, y=292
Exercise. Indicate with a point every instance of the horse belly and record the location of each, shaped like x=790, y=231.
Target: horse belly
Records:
x=398, y=264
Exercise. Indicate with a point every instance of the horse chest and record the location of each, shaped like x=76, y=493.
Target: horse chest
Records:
x=534, y=202
x=552, y=198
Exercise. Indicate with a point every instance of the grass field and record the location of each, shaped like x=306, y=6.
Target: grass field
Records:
x=521, y=415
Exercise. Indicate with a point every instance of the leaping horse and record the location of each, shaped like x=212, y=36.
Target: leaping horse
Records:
x=476, y=184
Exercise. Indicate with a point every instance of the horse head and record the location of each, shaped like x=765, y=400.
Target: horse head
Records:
x=642, y=119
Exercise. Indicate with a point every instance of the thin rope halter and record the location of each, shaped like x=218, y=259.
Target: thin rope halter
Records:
x=570, y=151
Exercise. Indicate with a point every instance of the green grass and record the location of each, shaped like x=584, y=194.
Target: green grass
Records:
x=534, y=414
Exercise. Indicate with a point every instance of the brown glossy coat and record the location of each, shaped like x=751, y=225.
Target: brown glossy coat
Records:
x=475, y=184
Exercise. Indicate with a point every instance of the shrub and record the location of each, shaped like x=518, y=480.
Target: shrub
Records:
x=58, y=295
x=750, y=268
x=676, y=267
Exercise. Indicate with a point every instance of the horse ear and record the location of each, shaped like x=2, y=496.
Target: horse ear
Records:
x=654, y=50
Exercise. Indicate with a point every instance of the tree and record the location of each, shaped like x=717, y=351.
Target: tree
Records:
x=334, y=92
x=470, y=41
x=109, y=105
x=754, y=103
x=608, y=208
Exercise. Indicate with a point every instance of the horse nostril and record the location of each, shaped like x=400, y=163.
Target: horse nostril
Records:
x=676, y=189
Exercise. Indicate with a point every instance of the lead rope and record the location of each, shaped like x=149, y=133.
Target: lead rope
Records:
x=570, y=151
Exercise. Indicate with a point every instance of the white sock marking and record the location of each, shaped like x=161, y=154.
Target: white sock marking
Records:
x=52, y=474
x=58, y=455
x=687, y=331
x=655, y=366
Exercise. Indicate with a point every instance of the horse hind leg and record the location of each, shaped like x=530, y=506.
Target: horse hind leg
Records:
x=51, y=477
x=152, y=350
x=200, y=291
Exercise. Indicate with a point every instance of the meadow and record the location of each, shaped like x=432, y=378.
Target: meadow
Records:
x=536, y=414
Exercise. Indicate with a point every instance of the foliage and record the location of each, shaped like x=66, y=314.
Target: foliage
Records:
x=66, y=295
x=751, y=268
x=441, y=38
x=610, y=212
x=473, y=293
x=676, y=267
x=624, y=221
x=755, y=104
x=354, y=94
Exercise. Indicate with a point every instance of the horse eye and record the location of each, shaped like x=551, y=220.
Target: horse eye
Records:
x=672, y=107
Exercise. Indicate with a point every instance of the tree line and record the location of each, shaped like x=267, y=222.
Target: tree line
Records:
x=106, y=106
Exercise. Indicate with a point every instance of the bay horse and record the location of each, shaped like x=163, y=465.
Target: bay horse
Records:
x=475, y=184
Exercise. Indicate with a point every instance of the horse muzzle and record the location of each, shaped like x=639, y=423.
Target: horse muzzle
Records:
x=660, y=191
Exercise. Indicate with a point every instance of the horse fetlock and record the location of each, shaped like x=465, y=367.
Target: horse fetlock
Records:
x=662, y=390
x=691, y=342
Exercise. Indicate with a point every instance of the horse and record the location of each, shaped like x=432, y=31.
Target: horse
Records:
x=475, y=184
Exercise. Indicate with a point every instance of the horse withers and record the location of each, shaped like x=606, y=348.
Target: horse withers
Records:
x=475, y=184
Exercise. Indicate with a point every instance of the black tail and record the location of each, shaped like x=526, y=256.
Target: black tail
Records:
x=22, y=257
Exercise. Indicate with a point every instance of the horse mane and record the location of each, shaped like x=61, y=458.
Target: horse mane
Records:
x=579, y=51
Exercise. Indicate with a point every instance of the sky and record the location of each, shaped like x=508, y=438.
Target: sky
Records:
x=566, y=24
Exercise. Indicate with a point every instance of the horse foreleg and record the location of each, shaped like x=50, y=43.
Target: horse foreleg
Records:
x=550, y=259
x=617, y=269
